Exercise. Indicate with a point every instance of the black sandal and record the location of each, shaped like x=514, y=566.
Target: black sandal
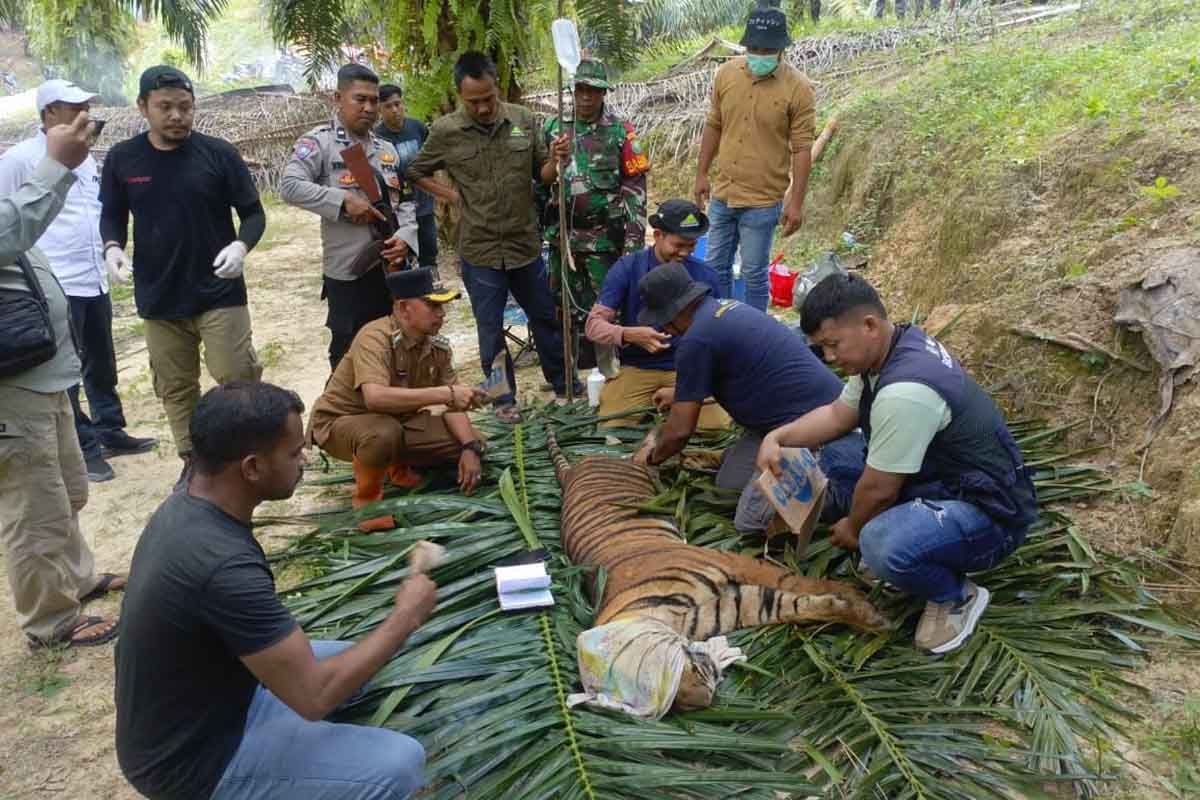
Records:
x=101, y=588
x=69, y=639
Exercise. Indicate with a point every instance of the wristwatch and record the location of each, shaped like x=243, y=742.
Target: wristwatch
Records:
x=475, y=446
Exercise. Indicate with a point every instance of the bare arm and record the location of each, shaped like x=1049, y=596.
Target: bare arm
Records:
x=874, y=493
x=314, y=688
x=710, y=143
x=814, y=429
x=673, y=436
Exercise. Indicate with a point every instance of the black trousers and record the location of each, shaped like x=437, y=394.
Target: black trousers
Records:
x=427, y=240
x=353, y=304
x=91, y=323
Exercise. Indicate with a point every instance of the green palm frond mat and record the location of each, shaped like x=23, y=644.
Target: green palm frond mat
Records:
x=1032, y=700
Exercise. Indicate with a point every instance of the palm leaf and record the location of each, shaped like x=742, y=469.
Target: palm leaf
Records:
x=814, y=711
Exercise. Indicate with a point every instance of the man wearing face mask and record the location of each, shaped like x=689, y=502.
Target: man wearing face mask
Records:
x=648, y=354
x=179, y=185
x=318, y=180
x=761, y=123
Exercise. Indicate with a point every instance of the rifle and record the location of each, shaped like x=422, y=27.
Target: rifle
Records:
x=376, y=189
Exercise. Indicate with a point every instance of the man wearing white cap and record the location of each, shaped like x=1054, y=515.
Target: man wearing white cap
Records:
x=73, y=246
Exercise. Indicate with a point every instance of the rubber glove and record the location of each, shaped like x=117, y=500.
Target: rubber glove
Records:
x=119, y=270
x=231, y=261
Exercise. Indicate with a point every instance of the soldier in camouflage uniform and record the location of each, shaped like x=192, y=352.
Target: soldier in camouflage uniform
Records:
x=605, y=170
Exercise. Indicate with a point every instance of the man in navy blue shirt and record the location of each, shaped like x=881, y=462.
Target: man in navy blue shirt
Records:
x=648, y=354
x=407, y=135
x=760, y=371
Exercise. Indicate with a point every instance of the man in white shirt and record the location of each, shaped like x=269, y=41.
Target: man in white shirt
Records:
x=73, y=246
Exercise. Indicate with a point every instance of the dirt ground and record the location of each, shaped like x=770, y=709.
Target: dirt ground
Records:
x=56, y=708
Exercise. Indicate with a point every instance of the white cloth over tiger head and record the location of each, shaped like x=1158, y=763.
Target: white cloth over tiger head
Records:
x=635, y=665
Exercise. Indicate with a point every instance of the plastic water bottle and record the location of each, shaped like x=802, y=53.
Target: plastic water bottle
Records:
x=595, y=384
x=739, y=283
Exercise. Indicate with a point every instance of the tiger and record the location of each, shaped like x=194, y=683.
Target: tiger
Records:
x=700, y=593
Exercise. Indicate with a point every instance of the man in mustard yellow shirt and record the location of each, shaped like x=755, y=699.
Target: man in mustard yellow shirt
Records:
x=761, y=122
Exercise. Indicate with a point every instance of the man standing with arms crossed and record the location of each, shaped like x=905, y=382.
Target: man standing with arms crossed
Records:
x=493, y=154
x=318, y=180
x=179, y=186
x=72, y=245
x=761, y=120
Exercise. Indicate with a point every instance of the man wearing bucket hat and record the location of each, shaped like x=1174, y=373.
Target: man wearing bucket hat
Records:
x=759, y=370
x=761, y=122
x=73, y=246
x=376, y=411
x=648, y=354
x=604, y=166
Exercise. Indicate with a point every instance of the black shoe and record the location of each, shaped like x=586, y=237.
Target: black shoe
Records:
x=98, y=470
x=185, y=475
x=120, y=443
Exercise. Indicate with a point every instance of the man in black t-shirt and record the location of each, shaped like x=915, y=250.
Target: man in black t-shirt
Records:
x=219, y=693
x=407, y=135
x=179, y=186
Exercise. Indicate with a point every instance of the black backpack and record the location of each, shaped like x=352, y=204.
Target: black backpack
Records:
x=26, y=333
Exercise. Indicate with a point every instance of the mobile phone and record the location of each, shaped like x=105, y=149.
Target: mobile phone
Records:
x=97, y=126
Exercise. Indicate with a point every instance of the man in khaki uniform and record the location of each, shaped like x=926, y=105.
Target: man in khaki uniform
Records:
x=377, y=407
x=317, y=180
x=43, y=485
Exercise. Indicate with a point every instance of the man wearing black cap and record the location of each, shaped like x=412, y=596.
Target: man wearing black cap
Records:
x=188, y=262
x=761, y=120
x=759, y=370
x=647, y=354
x=376, y=409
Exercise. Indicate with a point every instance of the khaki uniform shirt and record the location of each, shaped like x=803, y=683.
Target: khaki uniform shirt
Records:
x=494, y=171
x=382, y=354
x=316, y=179
x=762, y=121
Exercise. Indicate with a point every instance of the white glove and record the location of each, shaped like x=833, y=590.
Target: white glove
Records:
x=117, y=262
x=230, y=262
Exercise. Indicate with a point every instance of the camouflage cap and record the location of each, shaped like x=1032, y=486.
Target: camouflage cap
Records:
x=592, y=72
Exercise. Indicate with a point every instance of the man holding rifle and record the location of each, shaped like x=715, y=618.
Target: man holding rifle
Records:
x=358, y=239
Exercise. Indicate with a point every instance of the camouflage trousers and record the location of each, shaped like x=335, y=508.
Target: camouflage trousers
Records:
x=584, y=283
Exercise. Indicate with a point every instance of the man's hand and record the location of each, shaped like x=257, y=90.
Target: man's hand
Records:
x=664, y=398
x=642, y=456
x=359, y=211
x=844, y=535
x=415, y=599
x=231, y=261
x=701, y=191
x=396, y=250
x=769, y=456
x=793, y=217
x=648, y=339
x=560, y=149
x=470, y=470
x=466, y=398
x=69, y=144
x=117, y=262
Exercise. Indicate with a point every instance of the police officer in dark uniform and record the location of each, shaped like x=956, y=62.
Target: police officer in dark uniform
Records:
x=316, y=179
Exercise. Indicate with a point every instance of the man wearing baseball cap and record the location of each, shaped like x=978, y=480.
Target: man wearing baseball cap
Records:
x=179, y=185
x=73, y=246
x=377, y=409
x=604, y=166
x=648, y=354
x=761, y=122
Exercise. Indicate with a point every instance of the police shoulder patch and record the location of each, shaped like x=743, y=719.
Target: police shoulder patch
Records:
x=306, y=147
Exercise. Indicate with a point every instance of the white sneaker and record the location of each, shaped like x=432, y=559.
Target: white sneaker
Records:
x=945, y=626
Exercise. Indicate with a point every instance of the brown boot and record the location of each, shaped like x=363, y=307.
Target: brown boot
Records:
x=368, y=488
x=403, y=476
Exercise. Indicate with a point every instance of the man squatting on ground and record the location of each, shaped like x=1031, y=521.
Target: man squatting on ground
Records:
x=73, y=246
x=219, y=693
x=51, y=570
x=180, y=185
x=376, y=409
x=943, y=490
x=317, y=179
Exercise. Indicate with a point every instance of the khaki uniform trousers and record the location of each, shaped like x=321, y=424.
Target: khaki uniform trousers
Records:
x=43, y=483
x=174, y=346
x=634, y=387
x=381, y=440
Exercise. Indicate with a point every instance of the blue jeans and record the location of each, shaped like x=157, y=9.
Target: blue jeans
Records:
x=91, y=324
x=284, y=756
x=753, y=229
x=530, y=285
x=925, y=547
